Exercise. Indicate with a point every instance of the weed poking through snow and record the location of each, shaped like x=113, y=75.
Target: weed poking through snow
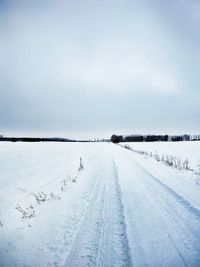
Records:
x=171, y=161
x=168, y=160
x=81, y=166
x=28, y=213
x=42, y=197
x=198, y=175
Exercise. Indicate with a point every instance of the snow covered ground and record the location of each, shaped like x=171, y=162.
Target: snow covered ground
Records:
x=112, y=207
x=184, y=150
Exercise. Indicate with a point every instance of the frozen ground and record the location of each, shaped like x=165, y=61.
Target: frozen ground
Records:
x=120, y=209
x=183, y=150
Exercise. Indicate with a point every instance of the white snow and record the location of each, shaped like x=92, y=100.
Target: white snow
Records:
x=184, y=150
x=121, y=209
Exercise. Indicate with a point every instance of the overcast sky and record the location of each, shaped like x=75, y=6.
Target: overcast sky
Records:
x=81, y=68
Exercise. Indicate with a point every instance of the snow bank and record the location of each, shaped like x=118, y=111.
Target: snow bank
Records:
x=183, y=150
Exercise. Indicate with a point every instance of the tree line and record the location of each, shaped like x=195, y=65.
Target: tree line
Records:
x=153, y=138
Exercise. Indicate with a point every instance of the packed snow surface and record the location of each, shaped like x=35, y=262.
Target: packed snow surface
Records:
x=96, y=204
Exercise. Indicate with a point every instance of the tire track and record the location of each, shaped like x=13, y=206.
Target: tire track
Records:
x=169, y=199
x=123, y=221
x=177, y=197
x=114, y=248
x=102, y=240
x=169, y=213
x=85, y=247
x=180, y=221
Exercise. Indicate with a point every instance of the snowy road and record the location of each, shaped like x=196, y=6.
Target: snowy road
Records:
x=136, y=220
x=163, y=229
x=120, y=215
x=102, y=239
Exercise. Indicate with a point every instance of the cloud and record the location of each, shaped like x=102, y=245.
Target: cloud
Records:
x=116, y=65
x=43, y=49
x=80, y=65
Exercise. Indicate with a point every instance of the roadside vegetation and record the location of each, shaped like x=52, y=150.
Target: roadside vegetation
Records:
x=168, y=160
x=42, y=197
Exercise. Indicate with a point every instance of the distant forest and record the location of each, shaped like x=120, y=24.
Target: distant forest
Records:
x=39, y=139
x=153, y=138
x=114, y=138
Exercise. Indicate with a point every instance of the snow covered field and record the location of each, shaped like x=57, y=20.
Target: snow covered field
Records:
x=97, y=204
x=184, y=150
